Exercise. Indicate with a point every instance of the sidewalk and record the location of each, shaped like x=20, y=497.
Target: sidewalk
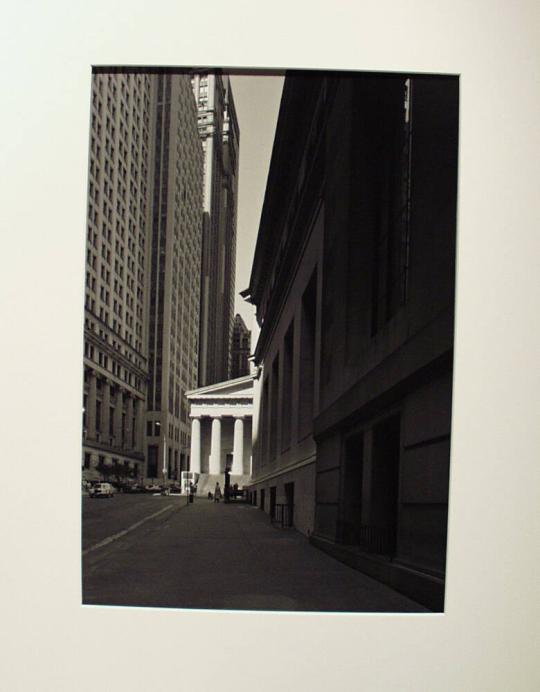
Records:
x=220, y=556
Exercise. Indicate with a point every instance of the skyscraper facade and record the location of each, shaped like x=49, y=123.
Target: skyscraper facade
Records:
x=143, y=272
x=220, y=135
x=241, y=348
x=174, y=274
x=115, y=342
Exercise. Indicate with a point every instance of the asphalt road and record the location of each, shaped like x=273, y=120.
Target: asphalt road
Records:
x=160, y=552
x=103, y=517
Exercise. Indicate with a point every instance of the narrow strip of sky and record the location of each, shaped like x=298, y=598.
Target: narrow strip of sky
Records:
x=257, y=101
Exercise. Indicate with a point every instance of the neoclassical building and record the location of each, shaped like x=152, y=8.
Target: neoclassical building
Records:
x=221, y=427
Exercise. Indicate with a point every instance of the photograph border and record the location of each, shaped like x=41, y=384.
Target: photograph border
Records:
x=487, y=637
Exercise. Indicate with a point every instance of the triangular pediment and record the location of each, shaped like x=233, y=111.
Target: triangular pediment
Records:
x=240, y=388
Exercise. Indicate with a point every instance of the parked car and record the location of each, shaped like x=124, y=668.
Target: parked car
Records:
x=90, y=487
x=152, y=488
x=135, y=489
x=102, y=490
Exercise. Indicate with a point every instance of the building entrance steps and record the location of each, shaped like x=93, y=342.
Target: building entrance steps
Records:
x=207, y=482
x=229, y=556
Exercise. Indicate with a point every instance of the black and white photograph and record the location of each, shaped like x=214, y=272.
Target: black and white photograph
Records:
x=307, y=469
x=269, y=301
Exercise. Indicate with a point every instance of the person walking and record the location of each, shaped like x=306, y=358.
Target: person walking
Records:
x=217, y=493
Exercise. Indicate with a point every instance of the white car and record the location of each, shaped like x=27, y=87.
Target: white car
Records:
x=102, y=490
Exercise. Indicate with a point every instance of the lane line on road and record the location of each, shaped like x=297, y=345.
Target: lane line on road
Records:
x=118, y=535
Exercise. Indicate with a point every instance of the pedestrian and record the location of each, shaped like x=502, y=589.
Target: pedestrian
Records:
x=217, y=493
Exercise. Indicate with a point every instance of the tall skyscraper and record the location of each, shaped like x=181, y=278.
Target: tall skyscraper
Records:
x=143, y=273
x=174, y=274
x=115, y=362
x=241, y=348
x=220, y=135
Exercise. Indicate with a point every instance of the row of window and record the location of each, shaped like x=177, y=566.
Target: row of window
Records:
x=131, y=468
x=118, y=328
x=108, y=363
x=110, y=339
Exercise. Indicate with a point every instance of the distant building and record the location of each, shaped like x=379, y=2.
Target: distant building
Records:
x=353, y=281
x=173, y=275
x=221, y=434
x=241, y=348
x=218, y=129
x=117, y=250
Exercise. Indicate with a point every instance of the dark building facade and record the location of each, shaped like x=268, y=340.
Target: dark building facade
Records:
x=220, y=137
x=353, y=280
x=241, y=348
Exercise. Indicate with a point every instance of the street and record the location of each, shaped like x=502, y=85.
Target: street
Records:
x=103, y=517
x=158, y=551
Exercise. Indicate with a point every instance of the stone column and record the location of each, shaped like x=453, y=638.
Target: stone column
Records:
x=238, y=448
x=215, y=450
x=91, y=407
x=195, y=454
